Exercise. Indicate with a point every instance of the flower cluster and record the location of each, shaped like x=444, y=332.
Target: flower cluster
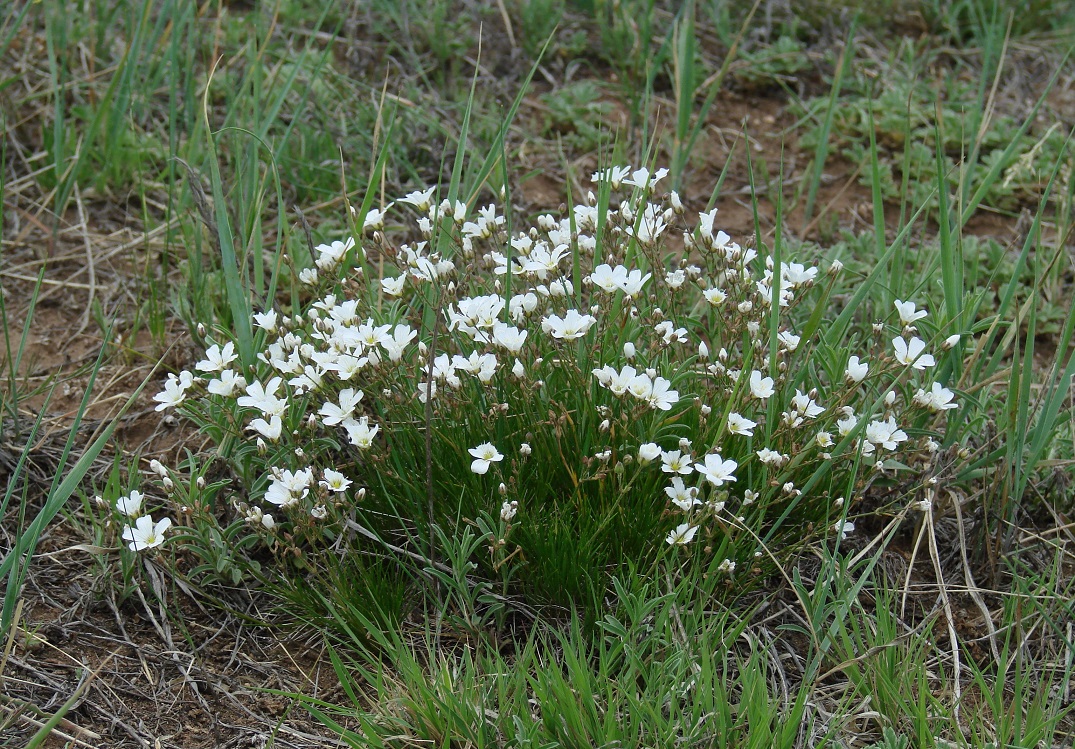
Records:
x=573, y=361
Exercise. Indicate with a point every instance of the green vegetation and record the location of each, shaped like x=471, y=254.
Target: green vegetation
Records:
x=863, y=549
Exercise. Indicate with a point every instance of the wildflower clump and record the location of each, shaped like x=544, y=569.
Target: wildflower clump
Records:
x=613, y=383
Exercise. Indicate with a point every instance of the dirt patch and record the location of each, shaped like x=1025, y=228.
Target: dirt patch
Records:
x=176, y=675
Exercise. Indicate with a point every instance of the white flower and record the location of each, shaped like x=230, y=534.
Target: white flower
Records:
x=266, y=320
x=843, y=528
x=509, y=337
x=518, y=369
x=789, y=340
x=569, y=328
x=375, y=217
x=770, y=457
x=907, y=312
x=131, y=504
x=846, y=424
x=682, y=535
x=805, y=405
x=727, y=566
x=939, y=398
x=263, y=397
x=741, y=425
x=714, y=296
x=288, y=488
x=613, y=175
x=682, y=497
x=717, y=470
x=331, y=255
x=604, y=277
x=174, y=394
x=226, y=384
x=420, y=199
x=508, y=511
x=856, y=370
x=674, y=461
x=648, y=452
x=885, y=433
x=661, y=396
x=761, y=387
x=359, y=432
x=270, y=429
x=393, y=286
x=641, y=178
x=484, y=456
x=144, y=534
x=823, y=439
x=332, y=414
x=910, y=353
x=950, y=342
x=308, y=276
x=335, y=481
x=216, y=358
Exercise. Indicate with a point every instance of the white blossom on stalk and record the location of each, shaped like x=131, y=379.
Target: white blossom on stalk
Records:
x=360, y=433
x=938, y=398
x=217, y=358
x=613, y=175
x=331, y=255
x=402, y=335
x=226, y=383
x=570, y=327
x=175, y=391
x=288, y=487
x=910, y=353
x=648, y=452
x=908, y=314
x=682, y=535
x=266, y=320
x=682, y=496
x=717, y=470
x=509, y=337
x=761, y=387
x=715, y=296
x=270, y=429
x=333, y=414
x=393, y=286
x=740, y=425
x=885, y=433
x=641, y=178
x=145, y=534
x=420, y=199
x=675, y=461
x=771, y=457
x=856, y=370
x=263, y=397
x=335, y=481
x=131, y=504
x=661, y=396
x=484, y=456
